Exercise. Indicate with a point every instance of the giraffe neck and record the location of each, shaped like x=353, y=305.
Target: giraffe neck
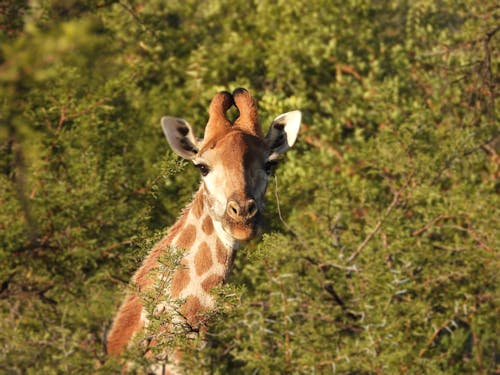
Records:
x=207, y=260
x=197, y=225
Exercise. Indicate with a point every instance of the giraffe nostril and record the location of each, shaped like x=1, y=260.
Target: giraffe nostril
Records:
x=251, y=208
x=241, y=211
x=233, y=209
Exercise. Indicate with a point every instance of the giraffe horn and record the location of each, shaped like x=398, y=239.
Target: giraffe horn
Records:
x=218, y=121
x=248, y=120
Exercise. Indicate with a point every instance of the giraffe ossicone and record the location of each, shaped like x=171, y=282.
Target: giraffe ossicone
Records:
x=235, y=160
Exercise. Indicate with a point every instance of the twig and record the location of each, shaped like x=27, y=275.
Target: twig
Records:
x=331, y=291
x=62, y=118
x=447, y=248
x=326, y=265
x=318, y=143
x=433, y=222
x=370, y=235
x=432, y=339
x=475, y=236
x=138, y=19
x=350, y=70
x=288, y=227
x=394, y=203
x=479, y=354
x=88, y=109
x=288, y=357
x=468, y=44
x=113, y=246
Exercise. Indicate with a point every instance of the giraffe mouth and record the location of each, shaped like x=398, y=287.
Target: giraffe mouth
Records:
x=242, y=230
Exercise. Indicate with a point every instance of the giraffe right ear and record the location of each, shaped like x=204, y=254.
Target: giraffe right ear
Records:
x=180, y=137
x=283, y=133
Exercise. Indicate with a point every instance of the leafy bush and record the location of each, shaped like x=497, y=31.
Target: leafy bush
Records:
x=382, y=225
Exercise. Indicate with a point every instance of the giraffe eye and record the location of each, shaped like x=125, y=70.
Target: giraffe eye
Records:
x=203, y=169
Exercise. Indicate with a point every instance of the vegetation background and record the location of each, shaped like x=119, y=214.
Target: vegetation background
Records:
x=381, y=252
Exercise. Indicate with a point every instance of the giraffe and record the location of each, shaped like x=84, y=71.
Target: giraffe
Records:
x=235, y=161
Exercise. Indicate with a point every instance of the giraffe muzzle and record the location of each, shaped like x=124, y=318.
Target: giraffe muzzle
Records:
x=241, y=211
x=242, y=218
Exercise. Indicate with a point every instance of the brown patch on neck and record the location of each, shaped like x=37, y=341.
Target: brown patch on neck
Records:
x=192, y=310
x=141, y=277
x=180, y=281
x=178, y=355
x=177, y=226
x=207, y=226
x=127, y=322
x=203, y=259
x=197, y=205
x=221, y=252
x=211, y=282
x=186, y=237
x=185, y=241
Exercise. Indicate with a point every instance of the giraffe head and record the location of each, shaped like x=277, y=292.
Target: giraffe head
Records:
x=234, y=159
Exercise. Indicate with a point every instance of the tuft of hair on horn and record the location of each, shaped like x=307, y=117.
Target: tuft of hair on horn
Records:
x=248, y=119
x=221, y=102
x=218, y=121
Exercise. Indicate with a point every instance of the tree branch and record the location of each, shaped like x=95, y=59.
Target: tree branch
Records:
x=394, y=203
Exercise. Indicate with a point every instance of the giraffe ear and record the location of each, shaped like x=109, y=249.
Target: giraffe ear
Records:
x=283, y=132
x=180, y=137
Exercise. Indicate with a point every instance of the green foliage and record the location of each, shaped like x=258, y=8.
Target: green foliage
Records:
x=383, y=258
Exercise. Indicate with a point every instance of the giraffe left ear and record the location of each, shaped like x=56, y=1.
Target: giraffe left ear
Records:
x=180, y=137
x=283, y=132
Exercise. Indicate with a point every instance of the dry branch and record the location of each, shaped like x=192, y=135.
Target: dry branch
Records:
x=394, y=203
